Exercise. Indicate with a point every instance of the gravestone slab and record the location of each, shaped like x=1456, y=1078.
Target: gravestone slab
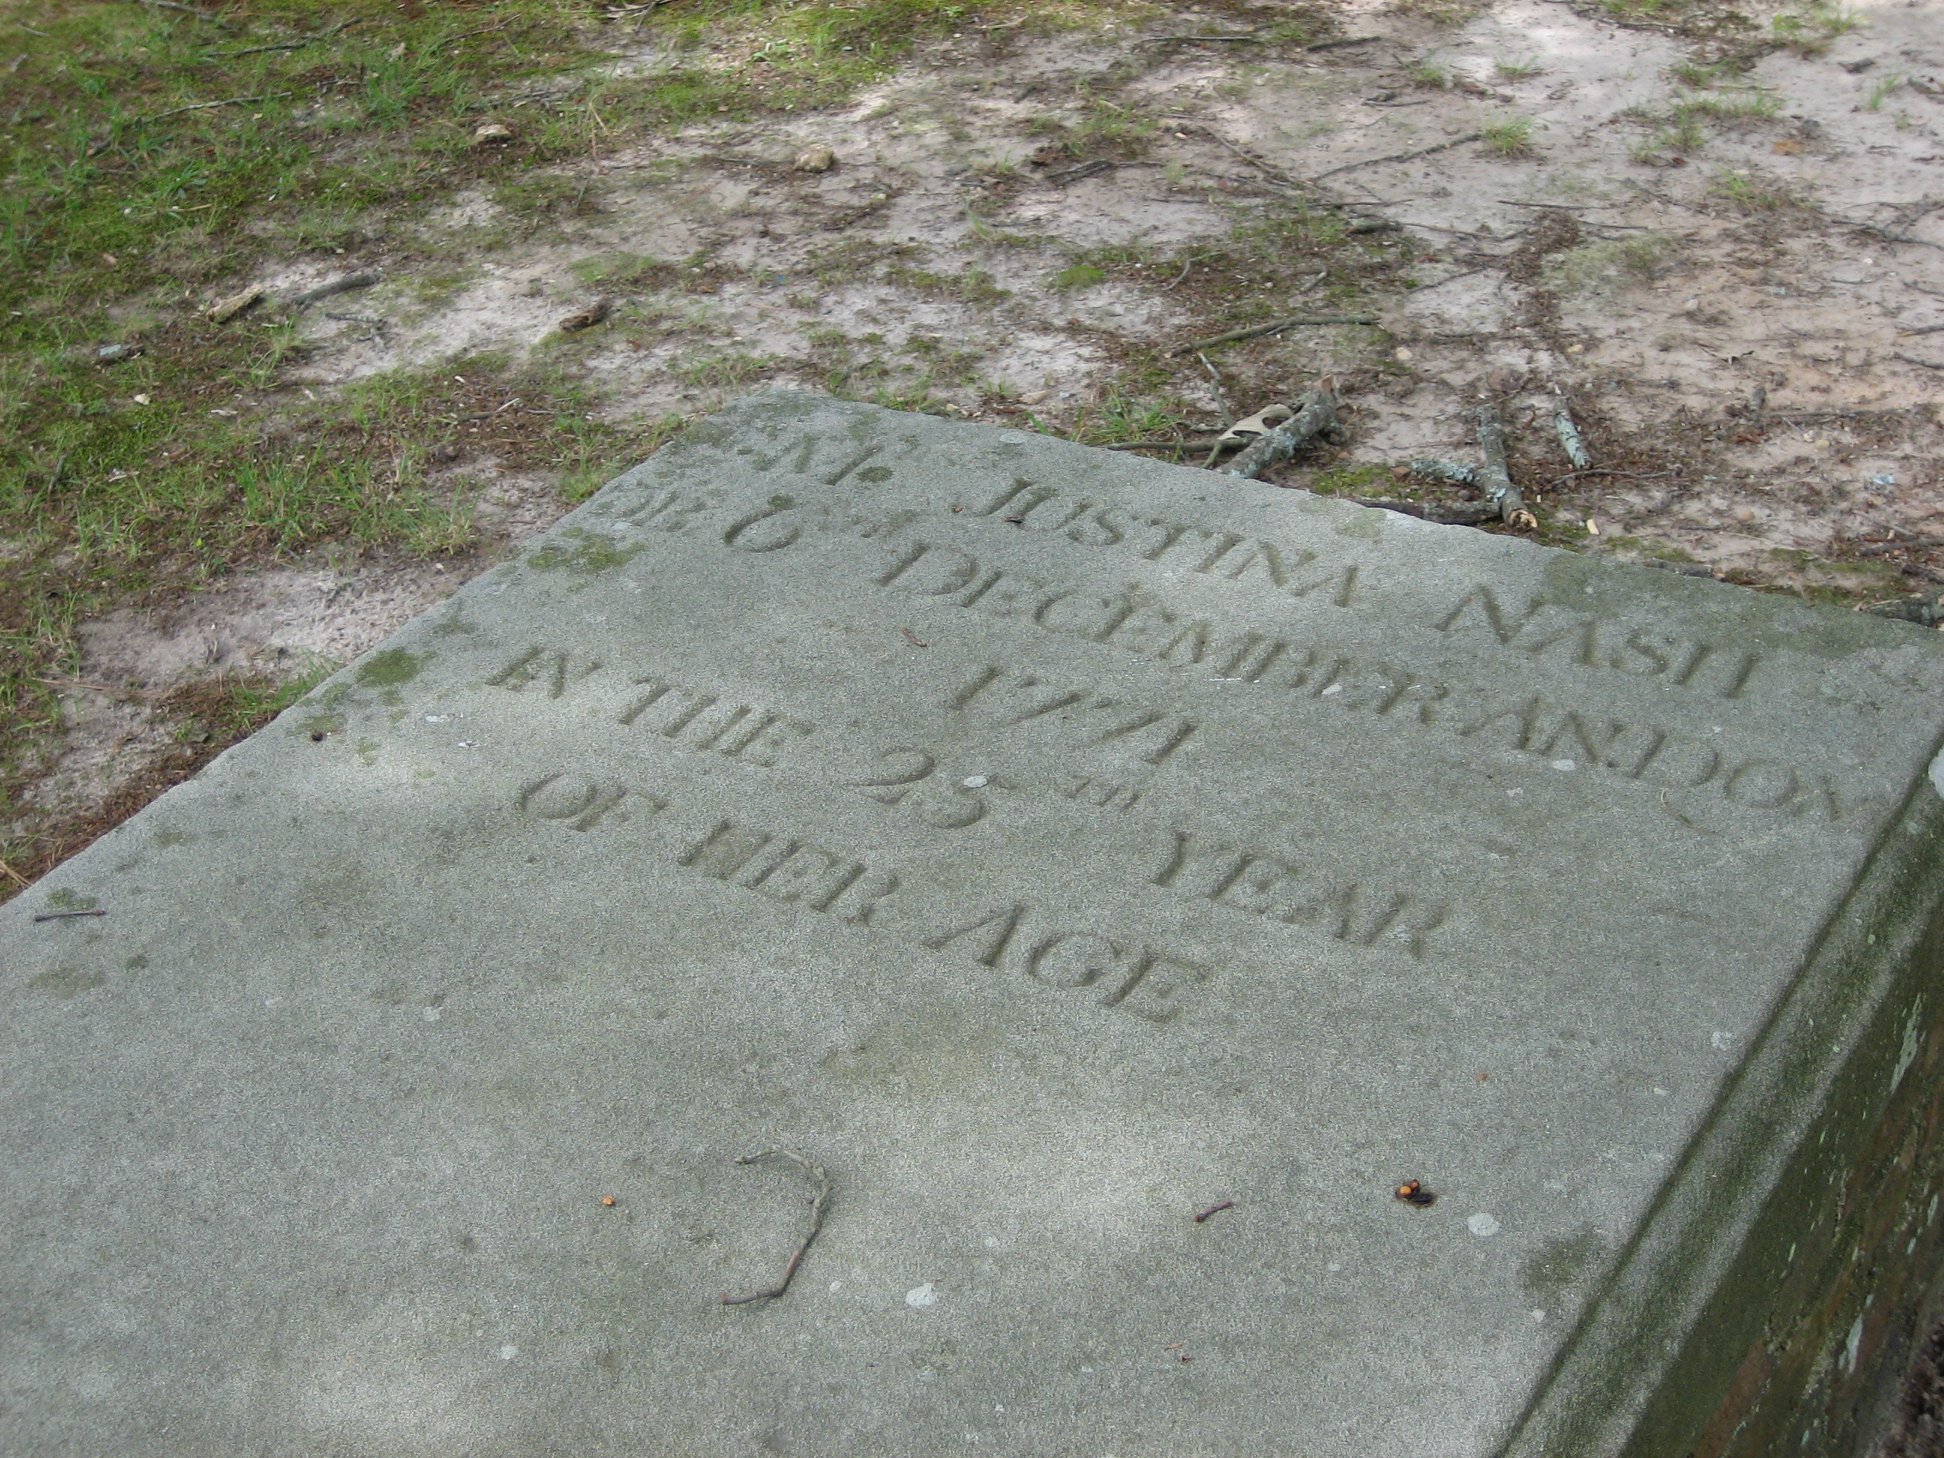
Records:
x=1048, y=846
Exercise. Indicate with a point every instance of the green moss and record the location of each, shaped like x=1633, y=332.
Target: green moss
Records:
x=391, y=668
x=1350, y=480
x=1078, y=276
x=66, y=900
x=579, y=550
x=67, y=982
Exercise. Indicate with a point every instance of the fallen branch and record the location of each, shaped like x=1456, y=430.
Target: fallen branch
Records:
x=1455, y=472
x=1315, y=413
x=1570, y=439
x=1274, y=326
x=1462, y=513
x=1073, y=174
x=817, y=1207
x=1500, y=493
x=1268, y=169
x=141, y=121
x=1927, y=611
x=363, y=279
x=1402, y=156
x=1909, y=544
x=296, y=45
x=1559, y=481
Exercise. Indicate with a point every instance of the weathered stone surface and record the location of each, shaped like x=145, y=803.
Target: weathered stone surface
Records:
x=1050, y=845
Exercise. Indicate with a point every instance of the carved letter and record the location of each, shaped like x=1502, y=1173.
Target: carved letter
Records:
x=992, y=934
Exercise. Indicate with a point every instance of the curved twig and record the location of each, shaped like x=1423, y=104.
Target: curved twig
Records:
x=817, y=1207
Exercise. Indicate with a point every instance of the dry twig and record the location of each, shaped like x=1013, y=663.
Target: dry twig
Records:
x=1274, y=326
x=296, y=45
x=817, y=1207
x=1402, y=156
x=1315, y=413
x=209, y=106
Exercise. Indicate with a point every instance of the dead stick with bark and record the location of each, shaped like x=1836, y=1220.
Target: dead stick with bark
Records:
x=1315, y=413
x=1570, y=439
x=1500, y=492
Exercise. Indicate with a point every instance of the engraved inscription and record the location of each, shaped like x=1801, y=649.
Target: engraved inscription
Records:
x=829, y=461
x=691, y=719
x=1537, y=629
x=1143, y=980
x=1008, y=699
x=1116, y=971
x=550, y=670
x=670, y=509
x=910, y=778
x=1293, y=571
x=784, y=868
x=580, y=803
x=1268, y=886
x=1133, y=620
x=1102, y=794
x=1542, y=629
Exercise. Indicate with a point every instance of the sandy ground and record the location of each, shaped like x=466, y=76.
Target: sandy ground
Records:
x=1747, y=321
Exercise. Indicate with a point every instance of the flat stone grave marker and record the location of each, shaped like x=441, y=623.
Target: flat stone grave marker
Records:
x=1048, y=847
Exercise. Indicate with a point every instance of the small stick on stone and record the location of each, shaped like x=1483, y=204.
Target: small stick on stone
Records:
x=1315, y=413
x=363, y=279
x=1215, y=1209
x=1570, y=439
x=1500, y=493
x=64, y=915
x=817, y=1208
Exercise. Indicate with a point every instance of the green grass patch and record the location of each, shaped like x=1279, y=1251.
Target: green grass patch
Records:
x=1508, y=139
x=1808, y=31
x=1610, y=264
x=1751, y=193
x=1077, y=276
